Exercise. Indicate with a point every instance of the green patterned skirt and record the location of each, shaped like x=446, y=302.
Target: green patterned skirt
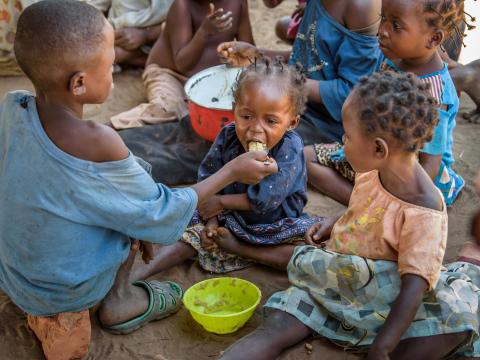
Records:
x=347, y=298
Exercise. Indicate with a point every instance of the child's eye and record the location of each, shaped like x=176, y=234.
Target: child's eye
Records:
x=247, y=117
x=396, y=25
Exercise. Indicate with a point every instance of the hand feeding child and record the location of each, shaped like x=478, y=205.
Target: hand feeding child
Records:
x=269, y=98
x=377, y=284
x=77, y=194
x=336, y=45
x=194, y=28
x=410, y=36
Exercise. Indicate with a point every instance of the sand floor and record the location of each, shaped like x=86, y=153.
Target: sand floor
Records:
x=179, y=337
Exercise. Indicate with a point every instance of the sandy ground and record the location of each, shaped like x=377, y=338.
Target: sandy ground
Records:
x=179, y=337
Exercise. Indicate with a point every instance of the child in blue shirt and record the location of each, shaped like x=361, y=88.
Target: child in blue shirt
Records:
x=72, y=193
x=336, y=44
x=410, y=40
x=269, y=98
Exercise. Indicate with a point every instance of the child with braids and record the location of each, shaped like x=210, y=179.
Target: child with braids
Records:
x=410, y=35
x=377, y=284
x=269, y=98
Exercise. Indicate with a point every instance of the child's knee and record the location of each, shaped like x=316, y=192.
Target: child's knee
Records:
x=63, y=336
x=310, y=154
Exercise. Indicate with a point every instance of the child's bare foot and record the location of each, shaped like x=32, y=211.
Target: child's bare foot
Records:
x=228, y=242
x=466, y=79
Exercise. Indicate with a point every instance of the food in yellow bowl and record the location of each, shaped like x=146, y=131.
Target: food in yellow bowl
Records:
x=222, y=305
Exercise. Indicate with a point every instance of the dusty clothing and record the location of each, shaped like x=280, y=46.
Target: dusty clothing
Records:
x=9, y=13
x=167, y=100
x=133, y=13
x=217, y=261
x=63, y=336
x=337, y=57
x=346, y=299
x=377, y=225
x=326, y=157
x=284, y=231
x=63, y=205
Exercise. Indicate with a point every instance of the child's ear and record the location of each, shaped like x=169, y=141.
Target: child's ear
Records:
x=381, y=149
x=436, y=39
x=294, y=122
x=77, y=84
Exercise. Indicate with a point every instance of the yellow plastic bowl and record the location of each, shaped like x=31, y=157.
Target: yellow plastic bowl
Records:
x=222, y=305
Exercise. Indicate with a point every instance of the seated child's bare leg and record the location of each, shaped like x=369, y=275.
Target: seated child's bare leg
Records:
x=166, y=257
x=124, y=301
x=275, y=256
x=281, y=28
x=466, y=79
x=326, y=180
x=428, y=347
x=278, y=332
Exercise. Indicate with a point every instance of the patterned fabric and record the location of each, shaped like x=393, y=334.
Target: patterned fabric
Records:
x=217, y=261
x=284, y=231
x=263, y=234
x=326, y=157
x=378, y=225
x=435, y=80
x=9, y=14
x=278, y=196
x=346, y=298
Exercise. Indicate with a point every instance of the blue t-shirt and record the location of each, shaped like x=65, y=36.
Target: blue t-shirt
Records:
x=337, y=57
x=278, y=196
x=65, y=223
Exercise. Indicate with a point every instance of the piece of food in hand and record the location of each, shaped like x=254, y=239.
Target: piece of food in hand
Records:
x=257, y=146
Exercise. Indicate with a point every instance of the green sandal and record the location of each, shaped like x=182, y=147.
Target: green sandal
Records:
x=165, y=300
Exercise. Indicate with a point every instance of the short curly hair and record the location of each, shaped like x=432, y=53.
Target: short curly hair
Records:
x=56, y=34
x=289, y=77
x=448, y=16
x=398, y=106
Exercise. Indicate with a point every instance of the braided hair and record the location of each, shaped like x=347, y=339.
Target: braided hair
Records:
x=398, y=106
x=289, y=78
x=448, y=15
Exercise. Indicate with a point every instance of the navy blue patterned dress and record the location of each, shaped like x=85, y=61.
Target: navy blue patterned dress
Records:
x=277, y=202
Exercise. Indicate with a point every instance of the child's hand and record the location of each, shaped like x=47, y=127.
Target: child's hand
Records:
x=146, y=248
x=320, y=231
x=251, y=167
x=238, y=53
x=210, y=208
x=130, y=38
x=206, y=236
x=216, y=21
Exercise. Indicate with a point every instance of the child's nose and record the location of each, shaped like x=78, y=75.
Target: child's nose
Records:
x=256, y=126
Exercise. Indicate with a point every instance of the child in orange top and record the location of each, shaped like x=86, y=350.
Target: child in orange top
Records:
x=377, y=285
